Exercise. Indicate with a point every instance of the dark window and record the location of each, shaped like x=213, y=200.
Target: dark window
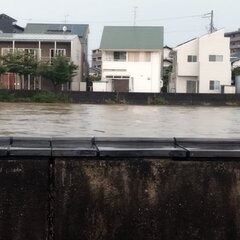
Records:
x=214, y=85
x=192, y=58
x=119, y=56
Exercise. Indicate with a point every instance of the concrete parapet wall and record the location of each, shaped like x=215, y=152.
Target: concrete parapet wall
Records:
x=104, y=188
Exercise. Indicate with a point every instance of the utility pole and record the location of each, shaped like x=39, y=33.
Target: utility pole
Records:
x=211, y=23
x=210, y=15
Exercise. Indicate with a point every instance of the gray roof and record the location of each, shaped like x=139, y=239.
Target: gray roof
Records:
x=36, y=37
x=6, y=17
x=46, y=28
x=7, y=24
x=132, y=38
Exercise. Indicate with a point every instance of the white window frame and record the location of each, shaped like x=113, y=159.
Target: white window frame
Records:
x=214, y=85
x=215, y=58
x=28, y=50
x=192, y=58
x=6, y=51
x=56, y=52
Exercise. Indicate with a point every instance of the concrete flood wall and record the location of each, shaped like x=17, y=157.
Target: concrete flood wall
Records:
x=155, y=98
x=137, y=98
x=119, y=188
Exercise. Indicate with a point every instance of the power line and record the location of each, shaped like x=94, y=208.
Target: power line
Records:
x=119, y=21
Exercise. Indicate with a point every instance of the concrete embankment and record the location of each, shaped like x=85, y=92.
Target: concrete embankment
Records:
x=122, y=98
x=156, y=98
x=119, y=188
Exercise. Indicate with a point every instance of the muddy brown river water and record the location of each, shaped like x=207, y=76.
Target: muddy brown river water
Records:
x=71, y=120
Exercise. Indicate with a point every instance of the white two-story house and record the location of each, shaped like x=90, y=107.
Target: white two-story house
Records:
x=202, y=65
x=131, y=59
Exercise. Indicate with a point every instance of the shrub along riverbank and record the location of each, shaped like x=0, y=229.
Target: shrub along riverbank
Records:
x=34, y=96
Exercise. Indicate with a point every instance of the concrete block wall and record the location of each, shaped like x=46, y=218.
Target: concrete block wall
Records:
x=119, y=188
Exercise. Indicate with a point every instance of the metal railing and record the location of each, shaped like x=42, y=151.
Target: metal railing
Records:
x=181, y=148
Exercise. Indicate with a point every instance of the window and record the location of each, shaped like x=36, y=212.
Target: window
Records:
x=192, y=58
x=6, y=51
x=57, y=52
x=133, y=56
x=215, y=58
x=139, y=56
x=119, y=56
x=214, y=85
x=28, y=51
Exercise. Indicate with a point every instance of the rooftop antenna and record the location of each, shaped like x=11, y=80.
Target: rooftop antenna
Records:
x=65, y=18
x=210, y=15
x=135, y=15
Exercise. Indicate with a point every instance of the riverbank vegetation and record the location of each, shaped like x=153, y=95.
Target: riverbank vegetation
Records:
x=34, y=96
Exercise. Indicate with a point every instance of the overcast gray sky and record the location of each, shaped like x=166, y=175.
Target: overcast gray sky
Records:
x=181, y=18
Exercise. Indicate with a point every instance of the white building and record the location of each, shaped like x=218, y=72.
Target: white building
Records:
x=131, y=59
x=202, y=65
x=167, y=56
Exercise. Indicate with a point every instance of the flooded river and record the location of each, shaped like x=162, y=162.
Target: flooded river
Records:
x=27, y=119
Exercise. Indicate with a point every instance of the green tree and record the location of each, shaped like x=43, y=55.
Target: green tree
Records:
x=21, y=63
x=94, y=78
x=235, y=72
x=3, y=69
x=166, y=75
x=59, y=71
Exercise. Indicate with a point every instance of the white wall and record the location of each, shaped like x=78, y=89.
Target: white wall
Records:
x=214, y=44
x=181, y=86
x=76, y=52
x=230, y=89
x=144, y=76
x=184, y=67
x=102, y=86
x=203, y=70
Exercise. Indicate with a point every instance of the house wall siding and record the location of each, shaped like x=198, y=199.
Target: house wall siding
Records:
x=76, y=57
x=73, y=51
x=45, y=46
x=204, y=70
x=143, y=76
x=186, y=68
x=218, y=71
x=26, y=44
x=181, y=86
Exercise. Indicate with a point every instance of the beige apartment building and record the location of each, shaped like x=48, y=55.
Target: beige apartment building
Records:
x=46, y=41
x=44, y=47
